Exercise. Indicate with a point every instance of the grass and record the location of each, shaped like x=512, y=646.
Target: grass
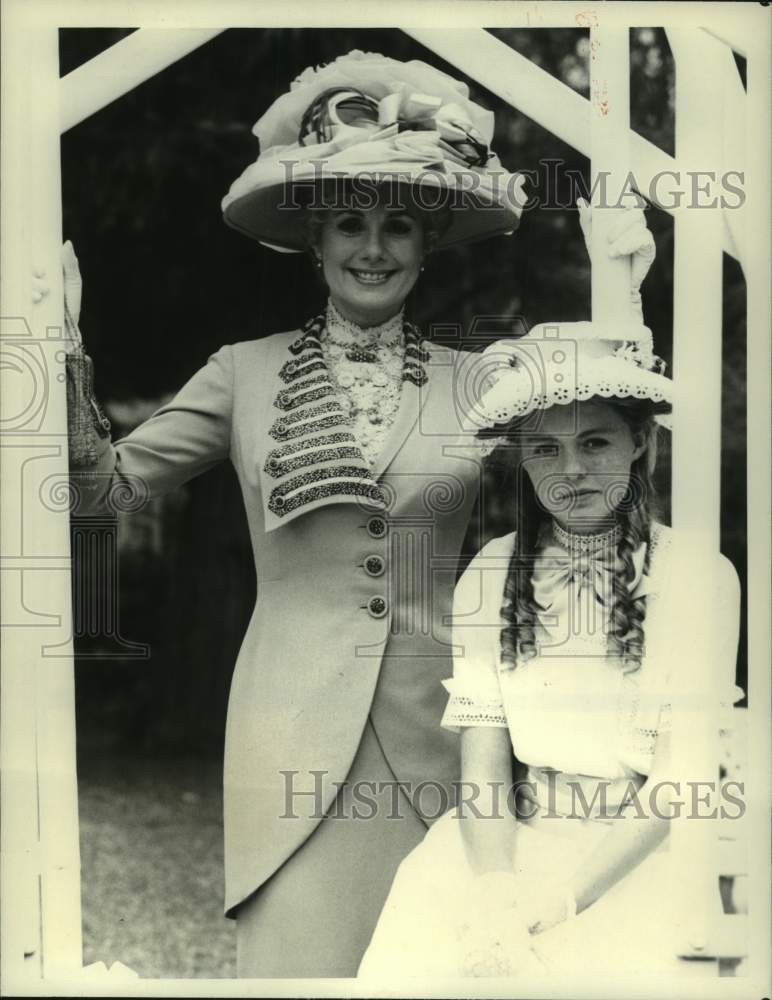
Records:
x=152, y=867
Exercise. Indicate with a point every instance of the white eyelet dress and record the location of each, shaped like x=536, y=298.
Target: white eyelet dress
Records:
x=574, y=714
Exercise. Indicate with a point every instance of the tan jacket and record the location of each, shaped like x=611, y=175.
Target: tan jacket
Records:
x=355, y=574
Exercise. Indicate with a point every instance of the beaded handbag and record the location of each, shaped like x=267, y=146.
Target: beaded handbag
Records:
x=86, y=422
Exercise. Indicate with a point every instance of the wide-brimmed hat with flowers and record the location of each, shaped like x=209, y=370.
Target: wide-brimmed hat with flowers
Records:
x=559, y=363
x=366, y=121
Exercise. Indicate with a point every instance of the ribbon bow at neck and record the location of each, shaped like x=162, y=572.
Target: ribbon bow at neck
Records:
x=563, y=580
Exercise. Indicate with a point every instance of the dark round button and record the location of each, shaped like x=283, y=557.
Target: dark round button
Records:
x=376, y=527
x=273, y=464
x=279, y=501
x=377, y=607
x=374, y=566
x=284, y=398
x=281, y=427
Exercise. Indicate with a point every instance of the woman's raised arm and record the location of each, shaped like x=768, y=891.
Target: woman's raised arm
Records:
x=184, y=438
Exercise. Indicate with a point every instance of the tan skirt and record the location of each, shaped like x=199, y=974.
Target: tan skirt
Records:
x=314, y=917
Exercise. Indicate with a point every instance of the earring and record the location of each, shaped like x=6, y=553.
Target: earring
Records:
x=317, y=261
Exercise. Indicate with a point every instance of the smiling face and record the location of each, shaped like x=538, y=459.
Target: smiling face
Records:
x=579, y=463
x=371, y=258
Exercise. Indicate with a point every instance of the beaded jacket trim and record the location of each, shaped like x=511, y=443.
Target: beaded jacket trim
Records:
x=317, y=427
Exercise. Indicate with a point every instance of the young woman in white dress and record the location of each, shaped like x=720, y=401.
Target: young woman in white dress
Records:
x=563, y=637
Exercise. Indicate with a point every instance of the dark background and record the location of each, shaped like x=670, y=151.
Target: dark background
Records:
x=166, y=283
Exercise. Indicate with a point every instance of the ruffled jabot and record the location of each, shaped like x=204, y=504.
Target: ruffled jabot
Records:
x=366, y=364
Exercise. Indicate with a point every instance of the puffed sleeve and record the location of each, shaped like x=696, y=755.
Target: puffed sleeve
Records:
x=182, y=439
x=475, y=693
x=726, y=611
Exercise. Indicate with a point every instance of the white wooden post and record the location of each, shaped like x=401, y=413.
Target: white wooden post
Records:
x=41, y=916
x=41, y=922
x=758, y=165
x=610, y=164
x=697, y=476
x=734, y=146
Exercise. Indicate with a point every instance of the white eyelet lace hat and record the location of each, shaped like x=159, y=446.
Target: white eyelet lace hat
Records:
x=367, y=122
x=559, y=363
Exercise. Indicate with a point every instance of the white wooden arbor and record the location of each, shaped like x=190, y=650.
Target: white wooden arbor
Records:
x=41, y=936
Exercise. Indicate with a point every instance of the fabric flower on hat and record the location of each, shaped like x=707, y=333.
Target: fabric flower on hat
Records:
x=637, y=352
x=377, y=76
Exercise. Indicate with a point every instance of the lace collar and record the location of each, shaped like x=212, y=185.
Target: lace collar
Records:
x=345, y=333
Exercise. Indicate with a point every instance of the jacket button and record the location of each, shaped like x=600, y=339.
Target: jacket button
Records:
x=377, y=607
x=374, y=566
x=273, y=464
x=376, y=527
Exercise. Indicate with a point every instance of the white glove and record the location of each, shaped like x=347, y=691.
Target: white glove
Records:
x=73, y=293
x=498, y=945
x=493, y=938
x=629, y=235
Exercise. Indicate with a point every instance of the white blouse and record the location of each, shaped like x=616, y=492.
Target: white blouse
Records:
x=572, y=707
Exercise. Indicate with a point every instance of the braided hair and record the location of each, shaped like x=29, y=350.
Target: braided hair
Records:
x=635, y=511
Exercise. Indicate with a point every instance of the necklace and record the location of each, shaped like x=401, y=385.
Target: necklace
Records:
x=586, y=544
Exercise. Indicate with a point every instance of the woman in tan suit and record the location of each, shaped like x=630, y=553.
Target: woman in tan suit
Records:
x=358, y=482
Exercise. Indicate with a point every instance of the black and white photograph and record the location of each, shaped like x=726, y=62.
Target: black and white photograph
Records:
x=385, y=499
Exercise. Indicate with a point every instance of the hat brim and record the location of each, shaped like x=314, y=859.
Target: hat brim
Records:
x=275, y=212
x=520, y=395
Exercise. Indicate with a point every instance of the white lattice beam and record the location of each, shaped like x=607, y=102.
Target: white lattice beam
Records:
x=609, y=166
x=726, y=119
x=550, y=103
x=124, y=66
